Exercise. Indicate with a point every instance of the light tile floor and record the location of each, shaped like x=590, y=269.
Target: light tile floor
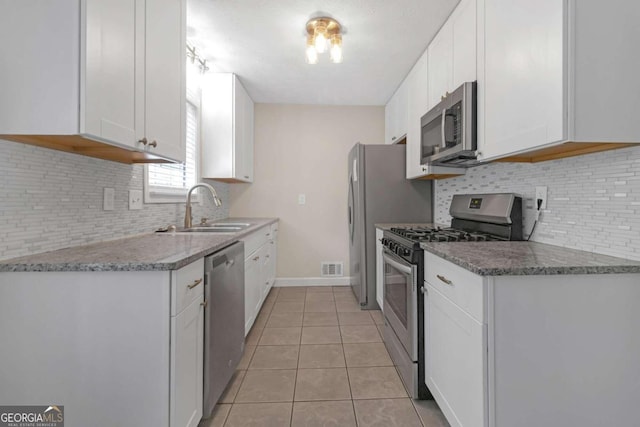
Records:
x=313, y=358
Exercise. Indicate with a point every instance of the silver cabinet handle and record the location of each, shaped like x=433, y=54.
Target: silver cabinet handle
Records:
x=143, y=141
x=194, y=284
x=246, y=177
x=394, y=138
x=444, y=279
x=268, y=234
x=230, y=262
x=256, y=258
x=204, y=303
x=153, y=143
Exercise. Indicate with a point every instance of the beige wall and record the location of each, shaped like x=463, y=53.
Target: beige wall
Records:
x=302, y=149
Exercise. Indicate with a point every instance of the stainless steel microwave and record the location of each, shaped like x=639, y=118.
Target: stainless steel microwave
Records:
x=449, y=130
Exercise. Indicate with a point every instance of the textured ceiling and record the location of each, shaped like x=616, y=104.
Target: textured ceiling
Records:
x=263, y=42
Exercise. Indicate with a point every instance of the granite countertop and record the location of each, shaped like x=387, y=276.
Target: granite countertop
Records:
x=527, y=258
x=146, y=252
x=521, y=258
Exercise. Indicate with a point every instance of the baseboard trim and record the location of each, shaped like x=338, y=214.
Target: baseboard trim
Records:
x=283, y=282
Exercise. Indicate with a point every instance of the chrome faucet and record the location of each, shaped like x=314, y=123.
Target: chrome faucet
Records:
x=187, y=211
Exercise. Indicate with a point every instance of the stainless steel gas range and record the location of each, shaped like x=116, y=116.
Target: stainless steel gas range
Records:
x=479, y=217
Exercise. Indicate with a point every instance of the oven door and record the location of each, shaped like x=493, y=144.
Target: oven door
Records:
x=400, y=300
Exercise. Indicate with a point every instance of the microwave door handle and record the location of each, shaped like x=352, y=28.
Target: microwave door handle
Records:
x=443, y=124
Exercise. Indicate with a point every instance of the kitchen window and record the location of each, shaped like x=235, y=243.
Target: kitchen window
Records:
x=169, y=183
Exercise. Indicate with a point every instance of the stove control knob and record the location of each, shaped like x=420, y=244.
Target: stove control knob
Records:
x=406, y=252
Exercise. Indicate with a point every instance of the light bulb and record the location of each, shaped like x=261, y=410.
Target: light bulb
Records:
x=321, y=38
x=311, y=53
x=336, y=49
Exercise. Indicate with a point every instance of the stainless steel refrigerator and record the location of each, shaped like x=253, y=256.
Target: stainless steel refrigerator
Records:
x=379, y=193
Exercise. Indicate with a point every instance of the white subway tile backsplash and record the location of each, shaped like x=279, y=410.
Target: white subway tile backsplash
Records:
x=593, y=200
x=51, y=200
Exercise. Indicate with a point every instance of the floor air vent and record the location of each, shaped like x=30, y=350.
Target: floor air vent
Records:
x=332, y=269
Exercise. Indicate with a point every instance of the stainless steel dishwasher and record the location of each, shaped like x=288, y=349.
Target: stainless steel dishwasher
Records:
x=223, y=320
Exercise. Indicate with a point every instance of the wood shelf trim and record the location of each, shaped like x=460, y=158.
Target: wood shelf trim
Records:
x=77, y=144
x=561, y=151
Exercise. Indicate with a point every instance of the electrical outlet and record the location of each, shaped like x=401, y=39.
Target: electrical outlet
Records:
x=302, y=199
x=135, y=200
x=541, y=193
x=108, y=199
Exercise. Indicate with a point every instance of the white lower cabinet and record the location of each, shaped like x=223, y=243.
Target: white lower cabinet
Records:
x=455, y=360
x=187, y=329
x=123, y=348
x=259, y=270
x=531, y=350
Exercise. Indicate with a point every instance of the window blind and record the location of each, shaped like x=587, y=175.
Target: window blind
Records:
x=175, y=178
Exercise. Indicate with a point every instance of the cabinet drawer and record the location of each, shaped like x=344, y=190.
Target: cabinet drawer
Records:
x=187, y=285
x=256, y=239
x=462, y=287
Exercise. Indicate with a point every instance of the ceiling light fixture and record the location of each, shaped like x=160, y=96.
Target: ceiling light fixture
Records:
x=320, y=33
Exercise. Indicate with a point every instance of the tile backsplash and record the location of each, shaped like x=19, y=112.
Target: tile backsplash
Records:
x=593, y=201
x=51, y=200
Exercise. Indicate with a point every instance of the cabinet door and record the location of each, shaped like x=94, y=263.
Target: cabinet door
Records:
x=108, y=75
x=418, y=106
x=440, y=63
x=265, y=273
x=165, y=77
x=243, y=134
x=463, y=22
x=396, y=112
x=247, y=157
x=252, y=273
x=271, y=269
x=187, y=335
x=456, y=357
x=239, y=100
x=217, y=129
x=523, y=54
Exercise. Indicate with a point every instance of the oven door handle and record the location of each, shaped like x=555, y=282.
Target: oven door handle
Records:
x=397, y=265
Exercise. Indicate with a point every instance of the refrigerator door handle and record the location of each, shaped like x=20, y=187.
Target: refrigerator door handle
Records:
x=351, y=213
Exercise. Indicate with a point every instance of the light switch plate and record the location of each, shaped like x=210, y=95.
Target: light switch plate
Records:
x=108, y=199
x=302, y=199
x=135, y=200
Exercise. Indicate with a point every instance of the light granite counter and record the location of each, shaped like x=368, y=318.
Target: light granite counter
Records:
x=147, y=252
x=521, y=258
x=527, y=258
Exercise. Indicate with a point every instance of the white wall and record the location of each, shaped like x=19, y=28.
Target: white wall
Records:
x=593, y=200
x=301, y=149
x=51, y=200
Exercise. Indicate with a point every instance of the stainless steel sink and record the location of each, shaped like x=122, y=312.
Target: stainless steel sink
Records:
x=218, y=227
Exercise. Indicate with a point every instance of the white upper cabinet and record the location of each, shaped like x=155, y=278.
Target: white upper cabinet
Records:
x=523, y=76
x=95, y=77
x=554, y=72
x=396, y=115
x=165, y=77
x=108, y=101
x=463, y=23
x=227, y=129
x=418, y=106
x=440, y=59
x=452, y=53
